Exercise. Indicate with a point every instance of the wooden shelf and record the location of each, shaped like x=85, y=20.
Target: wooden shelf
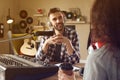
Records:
x=75, y=22
x=38, y=15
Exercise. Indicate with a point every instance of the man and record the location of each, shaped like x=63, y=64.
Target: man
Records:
x=63, y=46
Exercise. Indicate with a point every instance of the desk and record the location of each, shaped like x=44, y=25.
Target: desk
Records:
x=77, y=76
x=55, y=77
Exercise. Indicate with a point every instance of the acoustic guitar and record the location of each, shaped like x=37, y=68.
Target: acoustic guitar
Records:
x=29, y=47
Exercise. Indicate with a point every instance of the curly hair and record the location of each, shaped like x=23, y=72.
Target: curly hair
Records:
x=105, y=21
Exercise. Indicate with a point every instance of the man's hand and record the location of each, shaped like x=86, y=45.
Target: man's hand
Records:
x=58, y=39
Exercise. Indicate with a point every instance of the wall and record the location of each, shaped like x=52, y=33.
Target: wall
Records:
x=32, y=5
x=84, y=6
x=4, y=6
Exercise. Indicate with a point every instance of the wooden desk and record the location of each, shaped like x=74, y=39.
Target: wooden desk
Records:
x=77, y=75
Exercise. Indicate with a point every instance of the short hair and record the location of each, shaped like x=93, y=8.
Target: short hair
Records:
x=53, y=10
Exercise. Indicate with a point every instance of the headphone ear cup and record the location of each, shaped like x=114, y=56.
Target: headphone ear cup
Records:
x=49, y=24
x=64, y=15
x=65, y=19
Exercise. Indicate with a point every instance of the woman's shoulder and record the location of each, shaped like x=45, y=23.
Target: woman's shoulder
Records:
x=104, y=56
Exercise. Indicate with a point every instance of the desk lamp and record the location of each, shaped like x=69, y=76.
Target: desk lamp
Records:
x=9, y=21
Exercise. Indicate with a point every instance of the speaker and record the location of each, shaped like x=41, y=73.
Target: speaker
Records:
x=69, y=15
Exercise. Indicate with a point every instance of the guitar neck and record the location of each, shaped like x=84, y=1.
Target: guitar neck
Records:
x=29, y=41
x=28, y=48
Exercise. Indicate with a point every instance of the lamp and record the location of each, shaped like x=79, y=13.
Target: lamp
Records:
x=9, y=19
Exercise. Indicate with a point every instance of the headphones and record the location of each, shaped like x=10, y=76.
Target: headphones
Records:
x=49, y=23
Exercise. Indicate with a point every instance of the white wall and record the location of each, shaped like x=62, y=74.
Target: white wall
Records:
x=33, y=5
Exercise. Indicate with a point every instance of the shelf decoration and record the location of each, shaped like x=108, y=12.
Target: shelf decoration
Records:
x=40, y=15
x=23, y=14
x=1, y=30
x=74, y=15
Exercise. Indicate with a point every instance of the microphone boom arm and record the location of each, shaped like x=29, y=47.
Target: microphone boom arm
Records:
x=23, y=37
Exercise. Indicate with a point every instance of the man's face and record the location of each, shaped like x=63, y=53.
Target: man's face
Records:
x=57, y=20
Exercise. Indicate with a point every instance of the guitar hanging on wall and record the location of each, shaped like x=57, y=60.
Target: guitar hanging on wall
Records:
x=29, y=46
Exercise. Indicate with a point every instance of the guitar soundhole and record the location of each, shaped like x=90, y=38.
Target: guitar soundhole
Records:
x=31, y=44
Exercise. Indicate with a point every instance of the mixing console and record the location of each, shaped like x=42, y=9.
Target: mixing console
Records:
x=19, y=67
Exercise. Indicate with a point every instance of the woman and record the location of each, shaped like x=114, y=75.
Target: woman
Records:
x=104, y=62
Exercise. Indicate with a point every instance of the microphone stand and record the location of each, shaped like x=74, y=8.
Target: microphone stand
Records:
x=10, y=39
x=10, y=43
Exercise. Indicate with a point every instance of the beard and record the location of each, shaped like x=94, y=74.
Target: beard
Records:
x=59, y=26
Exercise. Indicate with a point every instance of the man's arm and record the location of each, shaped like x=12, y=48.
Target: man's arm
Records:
x=74, y=57
x=40, y=53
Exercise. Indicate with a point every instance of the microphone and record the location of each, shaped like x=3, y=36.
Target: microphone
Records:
x=44, y=33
